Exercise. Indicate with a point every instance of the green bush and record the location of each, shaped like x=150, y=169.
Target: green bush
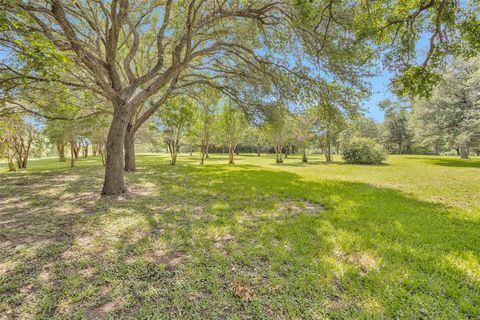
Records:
x=363, y=151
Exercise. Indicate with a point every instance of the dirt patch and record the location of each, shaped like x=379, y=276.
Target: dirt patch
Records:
x=101, y=312
x=169, y=259
x=243, y=291
x=220, y=241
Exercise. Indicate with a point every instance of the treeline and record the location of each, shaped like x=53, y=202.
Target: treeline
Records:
x=446, y=122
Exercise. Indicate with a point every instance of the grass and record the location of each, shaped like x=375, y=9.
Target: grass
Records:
x=252, y=240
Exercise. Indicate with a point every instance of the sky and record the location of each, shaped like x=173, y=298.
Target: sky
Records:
x=380, y=91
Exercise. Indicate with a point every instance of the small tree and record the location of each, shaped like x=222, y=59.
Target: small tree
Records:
x=232, y=124
x=19, y=136
x=176, y=117
x=279, y=133
x=303, y=132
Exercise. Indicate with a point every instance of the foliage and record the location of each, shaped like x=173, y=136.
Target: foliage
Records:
x=451, y=116
x=363, y=151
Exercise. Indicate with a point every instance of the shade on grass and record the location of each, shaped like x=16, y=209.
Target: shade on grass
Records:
x=250, y=240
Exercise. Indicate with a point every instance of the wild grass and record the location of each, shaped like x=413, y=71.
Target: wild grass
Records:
x=250, y=240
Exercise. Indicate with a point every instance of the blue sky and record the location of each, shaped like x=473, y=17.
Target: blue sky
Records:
x=380, y=91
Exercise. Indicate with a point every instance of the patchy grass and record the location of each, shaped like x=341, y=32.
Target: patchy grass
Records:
x=252, y=240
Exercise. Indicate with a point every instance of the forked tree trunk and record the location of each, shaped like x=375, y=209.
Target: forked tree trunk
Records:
x=463, y=151
x=129, y=142
x=114, y=182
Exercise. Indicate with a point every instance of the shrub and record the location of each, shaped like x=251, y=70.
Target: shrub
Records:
x=363, y=151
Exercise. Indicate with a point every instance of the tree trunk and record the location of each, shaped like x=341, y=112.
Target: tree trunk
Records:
x=231, y=151
x=206, y=151
x=75, y=150
x=327, y=150
x=85, y=151
x=258, y=151
x=458, y=151
x=286, y=152
x=304, y=157
x=278, y=154
x=463, y=151
x=203, y=147
x=61, y=151
x=114, y=182
x=72, y=155
x=129, y=142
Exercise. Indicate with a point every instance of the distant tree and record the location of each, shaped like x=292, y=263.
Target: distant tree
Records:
x=396, y=135
x=176, y=117
x=278, y=130
x=17, y=138
x=207, y=111
x=303, y=132
x=258, y=137
x=451, y=116
x=361, y=127
x=232, y=125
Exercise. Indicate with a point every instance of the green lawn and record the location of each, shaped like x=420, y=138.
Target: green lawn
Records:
x=250, y=240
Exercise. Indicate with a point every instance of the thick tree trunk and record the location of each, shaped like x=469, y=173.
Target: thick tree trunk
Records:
x=278, y=154
x=129, y=142
x=463, y=151
x=304, y=157
x=114, y=182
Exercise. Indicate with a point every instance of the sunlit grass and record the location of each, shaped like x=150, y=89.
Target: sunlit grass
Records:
x=254, y=239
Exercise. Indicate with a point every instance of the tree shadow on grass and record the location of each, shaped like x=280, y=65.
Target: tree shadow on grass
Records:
x=450, y=162
x=219, y=240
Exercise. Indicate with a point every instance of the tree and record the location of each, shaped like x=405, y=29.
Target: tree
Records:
x=396, y=132
x=17, y=137
x=176, y=117
x=206, y=118
x=132, y=52
x=451, y=115
x=278, y=131
x=303, y=131
x=361, y=127
x=136, y=54
x=232, y=124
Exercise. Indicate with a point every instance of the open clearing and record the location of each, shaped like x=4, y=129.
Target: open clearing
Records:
x=250, y=240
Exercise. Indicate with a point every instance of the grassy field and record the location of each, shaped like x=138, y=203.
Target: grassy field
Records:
x=250, y=240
